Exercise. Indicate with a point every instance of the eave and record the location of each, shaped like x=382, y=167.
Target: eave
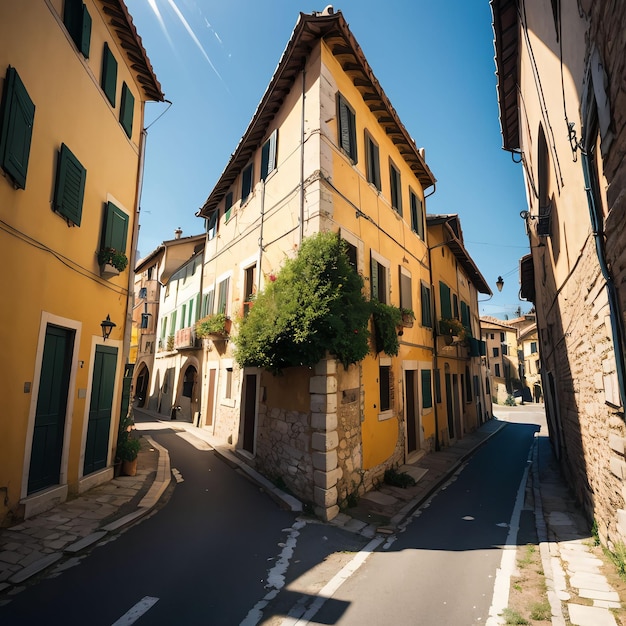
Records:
x=309, y=30
x=122, y=25
x=506, y=44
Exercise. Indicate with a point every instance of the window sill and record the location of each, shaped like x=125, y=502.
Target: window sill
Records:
x=229, y=402
x=385, y=415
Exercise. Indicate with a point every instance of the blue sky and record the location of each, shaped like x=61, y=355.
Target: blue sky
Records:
x=433, y=59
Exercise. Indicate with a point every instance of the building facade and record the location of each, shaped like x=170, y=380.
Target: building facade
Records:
x=560, y=69
x=500, y=338
x=75, y=78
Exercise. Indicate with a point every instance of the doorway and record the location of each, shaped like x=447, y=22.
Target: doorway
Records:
x=249, y=412
x=413, y=426
x=48, y=432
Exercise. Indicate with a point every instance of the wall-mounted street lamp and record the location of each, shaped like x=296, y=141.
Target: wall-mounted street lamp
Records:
x=499, y=283
x=107, y=326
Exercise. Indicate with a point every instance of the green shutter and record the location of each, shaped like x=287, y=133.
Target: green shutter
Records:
x=109, y=74
x=374, y=278
x=465, y=317
x=427, y=394
x=446, y=306
x=474, y=346
x=268, y=156
x=347, y=128
x=127, y=108
x=223, y=296
x=70, y=186
x=17, y=116
x=115, y=233
x=426, y=307
x=78, y=23
x=85, y=35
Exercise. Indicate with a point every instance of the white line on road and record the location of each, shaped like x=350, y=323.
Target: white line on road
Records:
x=133, y=614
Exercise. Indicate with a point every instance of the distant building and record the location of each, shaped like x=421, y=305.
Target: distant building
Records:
x=74, y=78
x=500, y=338
x=561, y=68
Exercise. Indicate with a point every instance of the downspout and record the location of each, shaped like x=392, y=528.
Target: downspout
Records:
x=617, y=329
x=435, y=354
x=301, y=231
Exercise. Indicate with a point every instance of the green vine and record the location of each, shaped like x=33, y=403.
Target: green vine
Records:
x=313, y=305
x=386, y=319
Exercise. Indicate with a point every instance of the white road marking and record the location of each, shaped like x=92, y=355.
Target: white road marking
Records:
x=133, y=614
x=177, y=475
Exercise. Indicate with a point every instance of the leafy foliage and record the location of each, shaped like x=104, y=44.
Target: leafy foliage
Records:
x=387, y=318
x=315, y=304
x=112, y=257
x=211, y=325
x=398, y=479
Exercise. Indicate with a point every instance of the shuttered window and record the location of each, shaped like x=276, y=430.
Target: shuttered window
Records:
x=379, y=281
x=396, y=188
x=207, y=303
x=78, y=23
x=427, y=318
x=268, y=156
x=109, y=74
x=385, y=382
x=127, y=109
x=373, y=161
x=346, y=127
x=406, y=287
x=70, y=186
x=246, y=183
x=417, y=215
x=115, y=232
x=427, y=393
x=17, y=116
x=222, y=301
x=446, y=304
x=228, y=206
x=465, y=315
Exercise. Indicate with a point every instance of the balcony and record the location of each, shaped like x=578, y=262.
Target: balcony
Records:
x=185, y=339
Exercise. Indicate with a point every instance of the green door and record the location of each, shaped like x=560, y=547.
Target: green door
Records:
x=100, y=407
x=47, y=446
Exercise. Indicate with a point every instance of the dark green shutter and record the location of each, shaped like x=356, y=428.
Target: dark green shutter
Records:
x=16, y=130
x=426, y=307
x=70, y=186
x=347, y=128
x=427, y=394
x=444, y=295
x=374, y=278
x=268, y=156
x=246, y=182
x=127, y=108
x=115, y=233
x=85, y=39
x=109, y=74
x=465, y=317
x=474, y=346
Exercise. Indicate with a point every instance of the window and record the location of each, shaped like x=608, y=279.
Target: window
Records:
x=211, y=224
x=145, y=320
x=163, y=327
x=70, y=186
x=347, y=127
x=455, y=306
x=446, y=304
x=78, y=23
x=465, y=315
x=228, y=206
x=16, y=128
x=396, y=188
x=372, y=161
x=533, y=347
x=427, y=318
x=222, y=300
x=115, y=231
x=249, y=288
x=228, y=384
x=190, y=313
x=502, y=337
x=505, y=349
x=173, y=323
x=379, y=282
x=384, y=383
x=183, y=317
x=246, y=182
x=406, y=288
x=492, y=336
x=496, y=352
x=143, y=293
x=207, y=303
x=427, y=393
x=417, y=215
x=109, y=74
x=268, y=156
x=127, y=109
x=351, y=253
x=497, y=369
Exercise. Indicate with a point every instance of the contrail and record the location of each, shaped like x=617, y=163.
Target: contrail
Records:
x=157, y=13
x=189, y=30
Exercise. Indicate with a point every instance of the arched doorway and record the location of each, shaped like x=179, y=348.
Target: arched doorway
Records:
x=187, y=398
x=141, y=386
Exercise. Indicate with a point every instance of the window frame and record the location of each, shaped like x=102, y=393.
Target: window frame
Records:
x=127, y=110
x=69, y=194
x=417, y=214
x=426, y=305
x=378, y=286
x=269, y=152
x=108, y=80
x=77, y=21
x=114, y=228
x=247, y=181
x=372, y=161
x=346, y=128
x=395, y=185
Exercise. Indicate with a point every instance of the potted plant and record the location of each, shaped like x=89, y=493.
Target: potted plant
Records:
x=452, y=330
x=408, y=317
x=127, y=451
x=111, y=261
x=213, y=326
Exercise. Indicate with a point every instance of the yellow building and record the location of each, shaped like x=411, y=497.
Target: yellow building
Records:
x=325, y=151
x=501, y=340
x=74, y=80
x=462, y=401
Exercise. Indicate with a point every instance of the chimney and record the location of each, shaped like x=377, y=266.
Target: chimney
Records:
x=178, y=232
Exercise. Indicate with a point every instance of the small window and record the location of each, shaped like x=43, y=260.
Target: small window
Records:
x=427, y=318
x=143, y=293
x=417, y=215
x=372, y=161
x=496, y=352
x=347, y=127
x=502, y=337
x=384, y=378
x=427, y=393
x=228, y=206
x=145, y=320
x=406, y=290
x=446, y=303
x=533, y=347
x=505, y=349
x=249, y=288
x=127, y=109
x=70, y=186
x=173, y=323
x=16, y=128
x=207, y=303
x=246, y=182
x=396, y=188
x=78, y=23
x=115, y=232
x=228, y=384
x=351, y=253
x=379, y=281
x=497, y=369
x=465, y=314
x=222, y=300
x=183, y=317
x=109, y=74
x=211, y=224
x=268, y=156
x=455, y=306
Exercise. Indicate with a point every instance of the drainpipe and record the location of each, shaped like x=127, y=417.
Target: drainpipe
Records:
x=435, y=354
x=301, y=231
x=617, y=328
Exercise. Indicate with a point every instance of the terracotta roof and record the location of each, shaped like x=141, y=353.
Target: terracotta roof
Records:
x=488, y=319
x=309, y=29
x=506, y=34
x=122, y=24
